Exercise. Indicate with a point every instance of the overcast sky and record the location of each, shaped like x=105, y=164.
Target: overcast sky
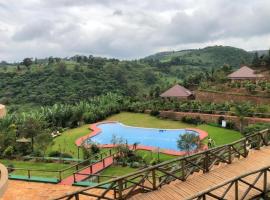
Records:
x=128, y=29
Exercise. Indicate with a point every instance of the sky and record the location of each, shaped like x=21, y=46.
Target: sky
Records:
x=128, y=29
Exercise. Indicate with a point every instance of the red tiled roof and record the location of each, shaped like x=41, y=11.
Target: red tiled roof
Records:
x=244, y=72
x=176, y=91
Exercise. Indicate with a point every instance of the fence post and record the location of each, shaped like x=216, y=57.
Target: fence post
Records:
x=230, y=154
x=267, y=137
x=183, y=170
x=236, y=190
x=154, y=179
x=265, y=183
x=120, y=189
x=28, y=172
x=258, y=146
x=74, y=177
x=60, y=176
x=206, y=162
x=245, y=148
x=103, y=162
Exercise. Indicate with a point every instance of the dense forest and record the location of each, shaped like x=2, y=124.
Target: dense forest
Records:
x=69, y=80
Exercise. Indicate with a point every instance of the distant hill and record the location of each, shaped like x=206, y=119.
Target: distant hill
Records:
x=260, y=52
x=214, y=56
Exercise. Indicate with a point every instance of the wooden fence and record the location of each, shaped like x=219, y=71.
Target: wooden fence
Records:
x=154, y=177
x=250, y=185
x=68, y=171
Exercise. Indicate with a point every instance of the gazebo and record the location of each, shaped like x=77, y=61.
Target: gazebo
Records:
x=244, y=73
x=178, y=92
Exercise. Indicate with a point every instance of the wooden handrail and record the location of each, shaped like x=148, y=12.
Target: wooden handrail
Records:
x=235, y=179
x=178, y=168
x=3, y=179
x=60, y=172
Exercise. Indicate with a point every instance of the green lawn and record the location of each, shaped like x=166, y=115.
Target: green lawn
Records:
x=36, y=166
x=66, y=142
x=116, y=171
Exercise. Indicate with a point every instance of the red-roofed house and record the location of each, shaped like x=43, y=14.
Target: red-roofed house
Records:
x=178, y=92
x=245, y=73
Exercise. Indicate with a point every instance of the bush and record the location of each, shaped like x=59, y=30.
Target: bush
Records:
x=10, y=168
x=255, y=128
x=36, y=153
x=94, y=149
x=153, y=161
x=135, y=165
x=54, y=154
x=59, y=154
x=192, y=120
x=154, y=112
x=66, y=155
x=250, y=87
x=8, y=152
x=230, y=125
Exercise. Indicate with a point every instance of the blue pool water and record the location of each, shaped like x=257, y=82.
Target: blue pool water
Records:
x=162, y=138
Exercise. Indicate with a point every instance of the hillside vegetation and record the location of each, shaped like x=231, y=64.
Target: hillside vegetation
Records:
x=214, y=56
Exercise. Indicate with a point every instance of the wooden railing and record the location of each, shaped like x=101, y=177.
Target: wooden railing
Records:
x=181, y=168
x=90, y=167
x=251, y=185
x=68, y=171
x=3, y=179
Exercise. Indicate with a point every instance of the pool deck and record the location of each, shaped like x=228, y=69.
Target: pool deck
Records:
x=96, y=130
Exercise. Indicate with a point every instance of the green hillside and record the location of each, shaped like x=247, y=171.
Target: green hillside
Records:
x=214, y=56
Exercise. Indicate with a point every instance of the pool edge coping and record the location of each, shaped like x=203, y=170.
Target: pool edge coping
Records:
x=96, y=130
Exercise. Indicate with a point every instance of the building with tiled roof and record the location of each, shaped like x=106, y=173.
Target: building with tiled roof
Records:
x=179, y=92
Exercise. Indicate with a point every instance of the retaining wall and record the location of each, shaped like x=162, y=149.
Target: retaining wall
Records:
x=211, y=118
x=219, y=97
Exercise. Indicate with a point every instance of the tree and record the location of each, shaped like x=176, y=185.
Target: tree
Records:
x=256, y=60
x=27, y=62
x=149, y=77
x=188, y=142
x=241, y=111
x=31, y=127
x=62, y=68
x=42, y=142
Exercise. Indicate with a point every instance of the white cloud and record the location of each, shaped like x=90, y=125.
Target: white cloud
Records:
x=128, y=28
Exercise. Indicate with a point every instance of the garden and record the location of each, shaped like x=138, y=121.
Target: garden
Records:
x=26, y=138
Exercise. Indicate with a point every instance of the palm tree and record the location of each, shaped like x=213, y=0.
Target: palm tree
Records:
x=241, y=111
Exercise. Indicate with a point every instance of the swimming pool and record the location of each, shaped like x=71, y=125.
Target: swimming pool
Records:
x=150, y=137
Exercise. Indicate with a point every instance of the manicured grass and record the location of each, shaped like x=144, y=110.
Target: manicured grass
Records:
x=145, y=120
x=219, y=135
x=36, y=166
x=148, y=156
x=116, y=171
x=66, y=142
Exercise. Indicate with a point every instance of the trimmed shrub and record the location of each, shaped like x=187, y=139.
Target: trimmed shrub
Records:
x=192, y=120
x=154, y=112
x=54, y=154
